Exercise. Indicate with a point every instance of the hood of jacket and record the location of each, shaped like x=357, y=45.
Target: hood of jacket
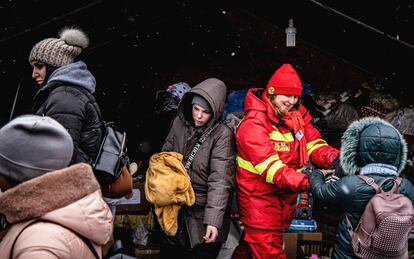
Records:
x=254, y=102
x=211, y=89
x=372, y=140
x=70, y=197
x=76, y=73
x=259, y=102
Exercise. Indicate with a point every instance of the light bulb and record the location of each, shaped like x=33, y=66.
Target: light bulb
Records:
x=290, y=35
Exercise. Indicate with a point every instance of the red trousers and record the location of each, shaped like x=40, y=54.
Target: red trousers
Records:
x=248, y=248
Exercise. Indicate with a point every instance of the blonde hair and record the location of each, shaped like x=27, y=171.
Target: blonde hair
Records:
x=278, y=112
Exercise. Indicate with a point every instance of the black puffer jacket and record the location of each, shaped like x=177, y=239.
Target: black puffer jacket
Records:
x=64, y=98
x=371, y=147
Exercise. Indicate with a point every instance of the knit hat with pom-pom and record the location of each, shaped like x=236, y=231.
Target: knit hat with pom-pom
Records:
x=62, y=51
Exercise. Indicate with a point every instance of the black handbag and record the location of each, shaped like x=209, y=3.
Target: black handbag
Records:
x=112, y=153
x=111, y=156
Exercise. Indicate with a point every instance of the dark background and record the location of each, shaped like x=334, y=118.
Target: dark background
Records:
x=137, y=48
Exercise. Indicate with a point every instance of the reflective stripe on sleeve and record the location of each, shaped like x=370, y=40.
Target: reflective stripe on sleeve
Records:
x=317, y=143
x=272, y=171
x=263, y=165
x=246, y=165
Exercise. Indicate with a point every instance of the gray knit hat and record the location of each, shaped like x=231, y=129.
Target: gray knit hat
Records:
x=31, y=145
x=199, y=100
x=62, y=51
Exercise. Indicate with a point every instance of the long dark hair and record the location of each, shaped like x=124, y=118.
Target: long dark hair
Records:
x=49, y=70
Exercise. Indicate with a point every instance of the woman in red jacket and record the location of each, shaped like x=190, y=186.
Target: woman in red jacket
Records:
x=275, y=140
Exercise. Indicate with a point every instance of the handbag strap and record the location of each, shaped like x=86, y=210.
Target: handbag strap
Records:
x=198, y=144
x=84, y=239
x=92, y=100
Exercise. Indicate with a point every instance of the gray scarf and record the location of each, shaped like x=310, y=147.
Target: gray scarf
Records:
x=379, y=169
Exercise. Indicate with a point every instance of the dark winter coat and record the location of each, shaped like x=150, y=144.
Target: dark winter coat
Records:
x=213, y=168
x=64, y=99
x=371, y=147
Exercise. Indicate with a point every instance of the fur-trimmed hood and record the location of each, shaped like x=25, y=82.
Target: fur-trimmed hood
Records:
x=70, y=197
x=372, y=140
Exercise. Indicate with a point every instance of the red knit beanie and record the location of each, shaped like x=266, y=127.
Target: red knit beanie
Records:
x=284, y=81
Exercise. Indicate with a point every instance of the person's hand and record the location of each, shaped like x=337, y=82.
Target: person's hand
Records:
x=133, y=168
x=331, y=178
x=327, y=172
x=336, y=165
x=211, y=234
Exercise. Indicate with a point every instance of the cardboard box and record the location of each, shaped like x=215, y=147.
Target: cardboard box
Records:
x=137, y=204
x=291, y=240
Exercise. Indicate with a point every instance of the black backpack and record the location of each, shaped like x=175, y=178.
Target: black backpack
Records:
x=112, y=154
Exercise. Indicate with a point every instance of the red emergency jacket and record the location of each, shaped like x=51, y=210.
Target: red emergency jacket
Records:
x=268, y=175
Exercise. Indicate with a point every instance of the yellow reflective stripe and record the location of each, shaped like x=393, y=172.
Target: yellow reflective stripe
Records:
x=311, y=146
x=263, y=165
x=278, y=136
x=246, y=165
x=272, y=171
x=238, y=124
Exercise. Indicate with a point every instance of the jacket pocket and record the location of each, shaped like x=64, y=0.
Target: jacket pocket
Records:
x=195, y=226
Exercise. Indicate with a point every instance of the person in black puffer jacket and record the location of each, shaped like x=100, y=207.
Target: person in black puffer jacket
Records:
x=65, y=85
x=372, y=147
